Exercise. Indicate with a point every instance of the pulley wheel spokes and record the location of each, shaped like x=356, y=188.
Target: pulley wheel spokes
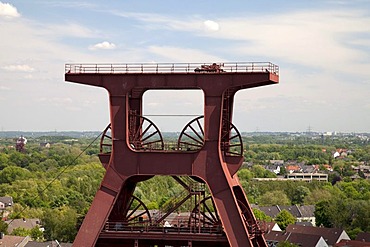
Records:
x=106, y=141
x=137, y=213
x=192, y=135
x=204, y=214
x=231, y=140
x=144, y=134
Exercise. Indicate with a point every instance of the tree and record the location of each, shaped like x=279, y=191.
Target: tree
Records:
x=20, y=231
x=261, y=216
x=317, y=195
x=286, y=244
x=36, y=234
x=282, y=170
x=245, y=175
x=322, y=214
x=274, y=198
x=60, y=223
x=11, y=173
x=284, y=218
x=3, y=227
x=299, y=194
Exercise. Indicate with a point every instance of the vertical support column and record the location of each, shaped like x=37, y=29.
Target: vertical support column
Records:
x=109, y=190
x=218, y=177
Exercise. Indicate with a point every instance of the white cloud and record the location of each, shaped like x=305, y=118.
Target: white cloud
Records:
x=8, y=11
x=69, y=29
x=211, y=25
x=323, y=39
x=20, y=68
x=105, y=45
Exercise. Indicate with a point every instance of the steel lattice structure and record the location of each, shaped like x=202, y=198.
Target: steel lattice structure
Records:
x=207, y=156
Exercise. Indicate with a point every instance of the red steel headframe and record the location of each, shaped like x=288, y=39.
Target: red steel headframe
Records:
x=128, y=163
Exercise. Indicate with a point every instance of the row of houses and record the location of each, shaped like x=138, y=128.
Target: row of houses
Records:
x=301, y=235
x=303, y=213
x=292, y=167
x=18, y=241
x=310, y=236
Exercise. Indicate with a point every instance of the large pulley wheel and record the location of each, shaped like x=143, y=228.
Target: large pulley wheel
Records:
x=106, y=141
x=137, y=213
x=144, y=134
x=204, y=214
x=231, y=140
x=192, y=135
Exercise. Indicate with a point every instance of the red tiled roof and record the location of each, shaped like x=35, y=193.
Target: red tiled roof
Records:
x=352, y=243
x=330, y=235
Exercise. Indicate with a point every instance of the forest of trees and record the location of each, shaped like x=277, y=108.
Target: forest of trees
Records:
x=58, y=184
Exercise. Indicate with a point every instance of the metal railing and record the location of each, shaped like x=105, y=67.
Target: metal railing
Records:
x=156, y=68
x=115, y=226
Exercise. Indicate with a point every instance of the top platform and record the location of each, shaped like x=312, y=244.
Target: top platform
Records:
x=172, y=68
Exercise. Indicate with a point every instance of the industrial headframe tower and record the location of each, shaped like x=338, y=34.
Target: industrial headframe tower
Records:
x=204, y=161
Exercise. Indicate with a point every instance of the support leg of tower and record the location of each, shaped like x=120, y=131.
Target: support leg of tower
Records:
x=229, y=212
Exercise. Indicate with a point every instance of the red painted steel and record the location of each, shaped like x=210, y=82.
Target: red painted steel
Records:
x=127, y=161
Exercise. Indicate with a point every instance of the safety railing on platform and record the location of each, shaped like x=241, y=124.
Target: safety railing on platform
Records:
x=121, y=227
x=125, y=68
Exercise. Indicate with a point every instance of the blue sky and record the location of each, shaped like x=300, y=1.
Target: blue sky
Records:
x=322, y=48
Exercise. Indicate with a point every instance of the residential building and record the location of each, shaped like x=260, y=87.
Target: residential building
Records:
x=308, y=176
x=304, y=213
x=8, y=240
x=54, y=243
x=352, y=243
x=363, y=236
x=331, y=236
x=6, y=201
x=23, y=223
x=300, y=239
x=270, y=226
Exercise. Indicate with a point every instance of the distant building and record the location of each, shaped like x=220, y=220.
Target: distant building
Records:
x=53, y=243
x=6, y=201
x=270, y=226
x=304, y=213
x=363, y=236
x=351, y=243
x=331, y=236
x=308, y=176
x=274, y=238
x=7, y=240
x=22, y=223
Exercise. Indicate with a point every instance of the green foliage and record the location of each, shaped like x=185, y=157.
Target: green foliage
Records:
x=60, y=223
x=245, y=175
x=322, y=214
x=277, y=197
x=343, y=213
x=3, y=227
x=299, y=194
x=284, y=218
x=36, y=234
x=354, y=232
x=42, y=187
x=317, y=195
x=261, y=216
x=260, y=172
x=20, y=231
x=286, y=244
x=12, y=173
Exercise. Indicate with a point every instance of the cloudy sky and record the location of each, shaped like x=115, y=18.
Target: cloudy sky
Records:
x=321, y=46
